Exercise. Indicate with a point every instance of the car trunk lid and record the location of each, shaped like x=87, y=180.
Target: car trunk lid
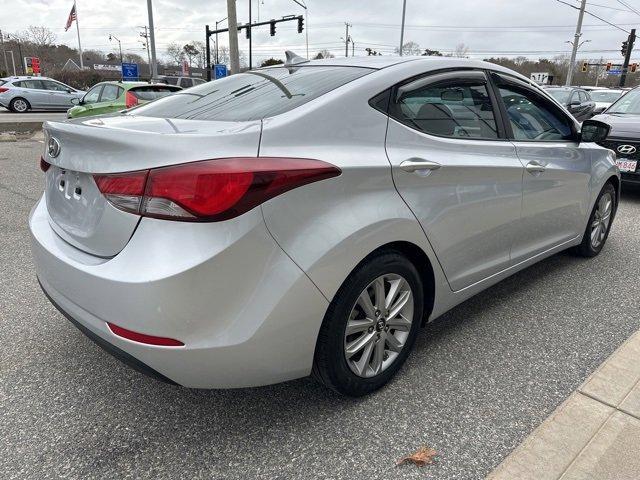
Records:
x=78, y=211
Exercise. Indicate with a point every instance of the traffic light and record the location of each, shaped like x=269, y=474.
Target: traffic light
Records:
x=625, y=48
x=300, y=24
x=609, y=65
x=585, y=66
x=633, y=67
x=272, y=28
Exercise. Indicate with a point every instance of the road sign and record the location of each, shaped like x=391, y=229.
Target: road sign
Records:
x=540, y=77
x=615, y=72
x=219, y=71
x=129, y=71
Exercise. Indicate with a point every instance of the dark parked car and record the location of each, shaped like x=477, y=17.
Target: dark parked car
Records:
x=624, y=138
x=576, y=100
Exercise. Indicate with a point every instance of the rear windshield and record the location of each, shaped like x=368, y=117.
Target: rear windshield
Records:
x=2, y=82
x=252, y=95
x=152, y=93
x=605, y=96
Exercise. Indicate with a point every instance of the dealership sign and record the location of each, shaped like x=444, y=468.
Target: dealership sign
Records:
x=541, y=78
x=111, y=68
x=32, y=66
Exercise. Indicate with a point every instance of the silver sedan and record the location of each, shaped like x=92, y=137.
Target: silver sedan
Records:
x=310, y=218
x=21, y=94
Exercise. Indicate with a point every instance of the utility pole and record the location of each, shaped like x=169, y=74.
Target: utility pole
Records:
x=154, y=65
x=249, y=33
x=145, y=35
x=346, y=39
x=404, y=12
x=576, y=43
x=625, y=68
x=353, y=48
x=598, y=70
x=4, y=53
x=232, y=20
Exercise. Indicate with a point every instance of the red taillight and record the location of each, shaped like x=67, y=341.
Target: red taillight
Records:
x=130, y=100
x=3, y=89
x=44, y=165
x=144, y=338
x=210, y=190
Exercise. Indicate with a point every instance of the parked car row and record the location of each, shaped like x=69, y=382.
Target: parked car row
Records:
x=24, y=93
x=584, y=102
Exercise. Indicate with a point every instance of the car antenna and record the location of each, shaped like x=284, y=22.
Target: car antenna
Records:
x=293, y=60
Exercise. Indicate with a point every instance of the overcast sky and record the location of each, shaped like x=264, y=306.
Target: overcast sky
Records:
x=535, y=28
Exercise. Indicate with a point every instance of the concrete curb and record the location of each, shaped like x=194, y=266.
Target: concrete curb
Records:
x=12, y=127
x=593, y=435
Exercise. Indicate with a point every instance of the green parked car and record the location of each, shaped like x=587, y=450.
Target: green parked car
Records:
x=111, y=97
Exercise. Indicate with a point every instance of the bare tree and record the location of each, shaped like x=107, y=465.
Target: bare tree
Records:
x=39, y=36
x=461, y=51
x=175, y=53
x=201, y=59
x=410, y=48
x=323, y=54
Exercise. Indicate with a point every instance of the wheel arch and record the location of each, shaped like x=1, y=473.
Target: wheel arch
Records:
x=19, y=98
x=418, y=257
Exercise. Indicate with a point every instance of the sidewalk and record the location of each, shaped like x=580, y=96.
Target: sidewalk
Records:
x=594, y=434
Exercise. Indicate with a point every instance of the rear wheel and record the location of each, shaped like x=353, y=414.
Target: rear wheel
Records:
x=370, y=326
x=19, y=105
x=599, y=226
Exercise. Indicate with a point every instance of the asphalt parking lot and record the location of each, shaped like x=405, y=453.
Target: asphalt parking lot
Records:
x=479, y=381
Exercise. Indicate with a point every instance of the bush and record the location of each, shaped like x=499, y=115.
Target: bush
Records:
x=80, y=79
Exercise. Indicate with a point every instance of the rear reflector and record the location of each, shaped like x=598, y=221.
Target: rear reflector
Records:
x=44, y=165
x=210, y=190
x=143, y=338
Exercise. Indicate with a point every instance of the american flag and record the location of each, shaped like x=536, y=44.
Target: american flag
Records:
x=72, y=17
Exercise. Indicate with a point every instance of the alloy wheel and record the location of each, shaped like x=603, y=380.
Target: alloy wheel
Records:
x=601, y=220
x=20, y=105
x=378, y=325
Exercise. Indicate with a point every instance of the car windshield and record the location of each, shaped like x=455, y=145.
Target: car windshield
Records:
x=605, y=96
x=628, y=104
x=560, y=95
x=252, y=95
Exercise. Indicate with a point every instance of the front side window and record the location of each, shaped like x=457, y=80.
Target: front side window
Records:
x=451, y=107
x=109, y=93
x=531, y=115
x=92, y=95
x=55, y=86
x=252, y=95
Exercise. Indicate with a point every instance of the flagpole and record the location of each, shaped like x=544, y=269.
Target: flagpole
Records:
x=78, y=30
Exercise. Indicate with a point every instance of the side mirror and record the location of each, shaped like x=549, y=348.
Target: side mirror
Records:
x=575, y=103
x=69, y=90
x=75, y=101
x=594, y=131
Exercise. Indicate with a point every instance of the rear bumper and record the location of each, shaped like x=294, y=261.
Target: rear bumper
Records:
x=246, y=313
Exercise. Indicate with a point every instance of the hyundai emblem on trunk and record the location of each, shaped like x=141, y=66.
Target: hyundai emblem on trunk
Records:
x=54, y=147
x=626, y=149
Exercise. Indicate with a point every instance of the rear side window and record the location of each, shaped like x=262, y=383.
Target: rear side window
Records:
x=152, y=93
x=447, y=107
x=252, y=95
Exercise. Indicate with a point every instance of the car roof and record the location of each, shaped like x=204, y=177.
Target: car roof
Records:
x=27, y=77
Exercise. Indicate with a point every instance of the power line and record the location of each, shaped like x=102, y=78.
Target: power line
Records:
x=595, y=16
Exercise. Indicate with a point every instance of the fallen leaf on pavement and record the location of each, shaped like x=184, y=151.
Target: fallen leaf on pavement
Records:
x=424, y=456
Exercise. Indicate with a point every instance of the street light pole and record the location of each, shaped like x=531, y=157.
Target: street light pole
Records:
x=404, y=13
x=576, y=43
x=219, y=21
x=154, y=65
x=119, y=44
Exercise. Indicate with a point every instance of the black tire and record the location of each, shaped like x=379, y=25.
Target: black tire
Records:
x=12, y=105
x=330, y=364
x=586, y=248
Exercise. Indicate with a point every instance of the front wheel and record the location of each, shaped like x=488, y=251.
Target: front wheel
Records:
x=599, y=226
x=370, y=326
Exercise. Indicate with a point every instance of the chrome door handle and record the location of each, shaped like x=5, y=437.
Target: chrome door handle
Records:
x=535, y=167
x=415, y=164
